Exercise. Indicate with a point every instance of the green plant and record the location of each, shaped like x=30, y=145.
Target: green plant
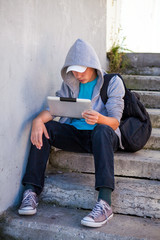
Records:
x=118, y=60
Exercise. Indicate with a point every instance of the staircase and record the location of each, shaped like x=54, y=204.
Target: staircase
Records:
x=69, y=189
x=137, y=174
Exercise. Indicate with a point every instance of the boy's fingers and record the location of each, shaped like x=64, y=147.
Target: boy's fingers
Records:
x=40, y=143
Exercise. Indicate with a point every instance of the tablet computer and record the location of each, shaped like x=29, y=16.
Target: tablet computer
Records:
x=68, y=107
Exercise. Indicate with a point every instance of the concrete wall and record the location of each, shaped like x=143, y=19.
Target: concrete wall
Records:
x=139, y=23
x=34, y=39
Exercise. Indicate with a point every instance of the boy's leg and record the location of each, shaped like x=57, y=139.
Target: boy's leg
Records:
x=104, y=143
x=62, y=136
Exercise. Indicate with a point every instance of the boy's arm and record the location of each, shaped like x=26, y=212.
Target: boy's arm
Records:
x=38, y=128
x=92, y=117
x=114, y=106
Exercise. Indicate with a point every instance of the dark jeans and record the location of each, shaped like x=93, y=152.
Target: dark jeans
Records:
x=102, y=142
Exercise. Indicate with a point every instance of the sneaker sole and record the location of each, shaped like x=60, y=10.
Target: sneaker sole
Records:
x=27, y=212
x=95, y=224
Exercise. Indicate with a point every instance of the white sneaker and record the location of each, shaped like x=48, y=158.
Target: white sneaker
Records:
x=29, y=203
x=100, y=214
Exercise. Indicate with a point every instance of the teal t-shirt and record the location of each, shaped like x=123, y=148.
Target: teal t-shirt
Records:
x=85, y=92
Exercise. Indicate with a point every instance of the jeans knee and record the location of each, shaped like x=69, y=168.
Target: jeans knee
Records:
x=49, y=125
x=102, y=129
x=104, y=134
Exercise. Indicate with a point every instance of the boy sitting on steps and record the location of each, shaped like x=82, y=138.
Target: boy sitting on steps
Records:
x=96, y=132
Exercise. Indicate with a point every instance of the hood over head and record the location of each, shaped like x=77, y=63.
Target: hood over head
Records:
x=81, y=53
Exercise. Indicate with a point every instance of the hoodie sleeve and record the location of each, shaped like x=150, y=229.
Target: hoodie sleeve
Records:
x=64, y=91
x=115, y=93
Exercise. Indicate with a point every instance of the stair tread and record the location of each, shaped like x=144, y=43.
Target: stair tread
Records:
x=52, y=222
x=149, y=93
x=153, y=111
x=143, y=154
x=142, y=164
x=142, y=77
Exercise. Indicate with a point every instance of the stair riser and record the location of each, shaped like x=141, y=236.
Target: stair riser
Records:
x=131, y=196
x=150, y=71
x=150, y=83
x=132, y=165
x=144, y=59
x=57, y=233
x=153, y=143
x=143, y=64
x=155, y=119
x=150, y=99
x=137, y=197
x=18, y=232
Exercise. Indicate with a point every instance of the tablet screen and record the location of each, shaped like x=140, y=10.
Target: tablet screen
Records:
x=68, y=107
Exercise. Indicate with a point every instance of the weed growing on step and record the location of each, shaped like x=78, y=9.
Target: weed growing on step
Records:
x=118, y=60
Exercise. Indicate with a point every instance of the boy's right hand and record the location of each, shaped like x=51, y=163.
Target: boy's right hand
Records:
x=38, y=128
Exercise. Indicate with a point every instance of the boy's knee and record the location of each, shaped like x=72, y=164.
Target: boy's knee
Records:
x=48, y=125
x=102, y=131
x=53, y=127
x=102, y=128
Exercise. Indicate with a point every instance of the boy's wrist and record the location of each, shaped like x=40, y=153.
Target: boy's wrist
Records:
x=37, y=119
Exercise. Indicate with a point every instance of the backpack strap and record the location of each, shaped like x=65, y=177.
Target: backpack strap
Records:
x=103, y=91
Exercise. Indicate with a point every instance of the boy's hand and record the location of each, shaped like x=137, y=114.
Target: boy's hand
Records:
x=91, y=116
x=38, y=128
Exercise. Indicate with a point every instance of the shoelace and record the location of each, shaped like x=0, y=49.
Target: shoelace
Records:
x=97, y=210
x=28, y=200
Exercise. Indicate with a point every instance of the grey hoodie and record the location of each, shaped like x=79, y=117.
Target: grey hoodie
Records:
x=82, y=53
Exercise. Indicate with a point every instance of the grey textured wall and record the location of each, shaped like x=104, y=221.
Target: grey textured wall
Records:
x=34, y=38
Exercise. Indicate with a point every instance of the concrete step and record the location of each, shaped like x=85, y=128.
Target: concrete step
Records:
x=155, y=117
x=51, y=223
x=131, y=196
x=138, y=82
x=150, y=99
x=150, y=71
x=154, y=140
x=144, y=59
x=144, y=64
x=142, y=164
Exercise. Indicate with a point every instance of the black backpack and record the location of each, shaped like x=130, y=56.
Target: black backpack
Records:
x=135, y=125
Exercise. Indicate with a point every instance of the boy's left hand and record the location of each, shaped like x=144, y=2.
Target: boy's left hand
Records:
x=91, y=116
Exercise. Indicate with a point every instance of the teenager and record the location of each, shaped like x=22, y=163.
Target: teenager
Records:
x=97, y=132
